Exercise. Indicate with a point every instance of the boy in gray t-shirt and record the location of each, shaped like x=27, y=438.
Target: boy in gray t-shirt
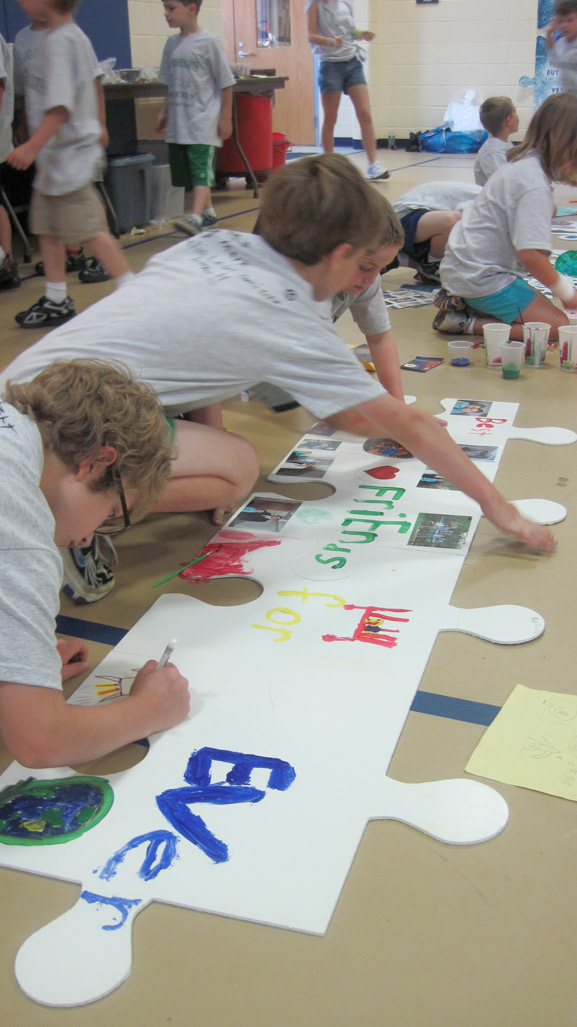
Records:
x=561, y=43
x=236, y=309
x=197, y=115
x=499, y=116
x=66, y=148
x=71, y=442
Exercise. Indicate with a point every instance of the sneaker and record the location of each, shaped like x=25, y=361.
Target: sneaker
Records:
x=451, y=321
x=376, y=171
x=46, y=313
x=190, y=224
x=74, y=262
x=93, y=272
x=87, y=573
x=444, y=301
x=208, y=220
x=429, y=272
x=9, y=278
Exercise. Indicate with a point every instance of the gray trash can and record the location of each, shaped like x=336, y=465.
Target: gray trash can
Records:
x=128, y=182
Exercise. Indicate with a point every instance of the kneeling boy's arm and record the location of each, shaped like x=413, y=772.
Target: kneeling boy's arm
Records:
x=425, y=437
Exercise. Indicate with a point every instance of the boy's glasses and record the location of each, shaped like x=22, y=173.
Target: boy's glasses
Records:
x=113, y=525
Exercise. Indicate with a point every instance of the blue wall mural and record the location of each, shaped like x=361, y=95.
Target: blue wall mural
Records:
x=546, y=80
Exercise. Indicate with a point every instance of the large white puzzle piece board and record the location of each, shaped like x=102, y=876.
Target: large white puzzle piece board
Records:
x=254, y=807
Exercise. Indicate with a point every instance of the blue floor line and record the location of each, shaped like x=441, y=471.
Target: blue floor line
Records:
x=454, y=709
x=424, y=702
x=92, y=632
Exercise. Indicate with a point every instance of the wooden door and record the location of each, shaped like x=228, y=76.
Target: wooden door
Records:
x=294, y=109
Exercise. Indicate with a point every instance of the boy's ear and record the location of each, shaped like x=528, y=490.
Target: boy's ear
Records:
x=106, y=455
x=341, y=252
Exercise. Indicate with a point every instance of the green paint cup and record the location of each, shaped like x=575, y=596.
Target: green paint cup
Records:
x=511, y=359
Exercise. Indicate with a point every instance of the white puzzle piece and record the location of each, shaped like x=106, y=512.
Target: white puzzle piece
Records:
x=254, y=807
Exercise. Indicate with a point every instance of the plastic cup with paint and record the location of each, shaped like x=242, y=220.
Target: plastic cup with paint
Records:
x=511, y=358
x=568, y=347
x=536, y=336
x=460, y=352
x=494, y=335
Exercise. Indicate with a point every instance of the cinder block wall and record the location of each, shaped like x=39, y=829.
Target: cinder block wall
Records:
x=423, y=55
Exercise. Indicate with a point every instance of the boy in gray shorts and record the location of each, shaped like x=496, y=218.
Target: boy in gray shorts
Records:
x=65, y=144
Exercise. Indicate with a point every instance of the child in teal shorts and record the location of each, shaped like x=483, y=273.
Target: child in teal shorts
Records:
x=506, y=232
x=197, y=114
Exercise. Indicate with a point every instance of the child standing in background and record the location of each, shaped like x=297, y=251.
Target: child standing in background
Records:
x=335, y=40
x=498, y=115
x=562, y=52
x=197, y=114
x=507, y=231
x=28, y=96
x=8, y=268
x=66, y=146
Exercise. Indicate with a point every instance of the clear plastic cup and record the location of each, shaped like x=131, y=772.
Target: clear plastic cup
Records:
x=494, y=335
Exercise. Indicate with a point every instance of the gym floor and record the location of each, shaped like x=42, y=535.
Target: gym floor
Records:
x=424, y=934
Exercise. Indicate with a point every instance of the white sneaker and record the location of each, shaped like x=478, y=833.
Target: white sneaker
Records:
x=87, y=570
x=375, y=171
x=191, y=224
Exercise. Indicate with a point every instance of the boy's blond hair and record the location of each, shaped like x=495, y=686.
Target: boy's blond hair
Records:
x=81, y=405
x=494, y=111
x=314, y=204
x=552, y=135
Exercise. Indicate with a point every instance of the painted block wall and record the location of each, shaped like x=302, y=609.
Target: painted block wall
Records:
x=423, y=55
x=148, y=29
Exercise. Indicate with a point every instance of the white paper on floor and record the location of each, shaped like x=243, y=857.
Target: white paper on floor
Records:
x=254, y=807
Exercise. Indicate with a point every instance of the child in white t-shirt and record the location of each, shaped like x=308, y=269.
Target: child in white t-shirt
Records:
x=562, y=48
x=9, y=278
x=28, y=105
x=499, y=116
x=197, y=114
x=506, y=232
x=66, y=147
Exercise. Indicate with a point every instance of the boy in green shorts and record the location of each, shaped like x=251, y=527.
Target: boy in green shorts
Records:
x=197, y=114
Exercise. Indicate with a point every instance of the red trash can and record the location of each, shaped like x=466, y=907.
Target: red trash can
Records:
x=254, y=127
x=280, y=145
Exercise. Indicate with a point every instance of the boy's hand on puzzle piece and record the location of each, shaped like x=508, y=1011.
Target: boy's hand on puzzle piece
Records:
x=367, y=36
x=506, y=517
x=74, y=656
x=22, y=157
x=165, y=692
x=224, y=128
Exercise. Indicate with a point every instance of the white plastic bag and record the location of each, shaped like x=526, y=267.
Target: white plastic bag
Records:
x=462, y=114
x=107, y=69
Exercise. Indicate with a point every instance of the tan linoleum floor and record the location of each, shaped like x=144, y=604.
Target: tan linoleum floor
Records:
x=424, y=934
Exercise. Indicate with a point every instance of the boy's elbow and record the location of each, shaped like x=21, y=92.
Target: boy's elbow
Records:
x=36, y=753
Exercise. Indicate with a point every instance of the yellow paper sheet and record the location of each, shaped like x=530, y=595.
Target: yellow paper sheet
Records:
x=532, y=742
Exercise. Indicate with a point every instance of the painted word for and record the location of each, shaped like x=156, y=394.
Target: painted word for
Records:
x=281, y=617
x=371, y=521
